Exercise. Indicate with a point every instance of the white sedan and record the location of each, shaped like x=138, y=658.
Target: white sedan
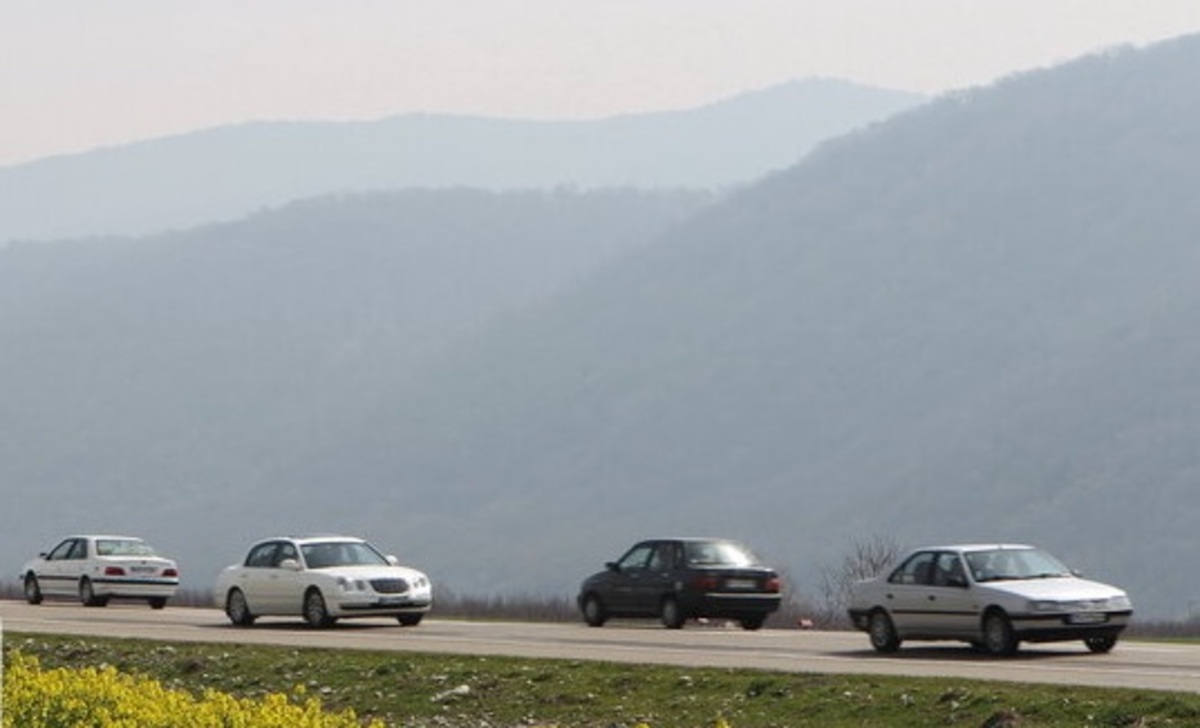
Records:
x=322, y=579
x=992, y=596
x=97, y=568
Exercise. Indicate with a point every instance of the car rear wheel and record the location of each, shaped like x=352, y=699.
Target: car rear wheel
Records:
x=1100, y=645
x=409, y=620
x=882, y=632
x=33, y=592
x=87, y=594
x=753, y=622
x=315, y=612
x=237, y=609
x=157, y=602
x=672, y=617
x=593, y=611
x=998, y=636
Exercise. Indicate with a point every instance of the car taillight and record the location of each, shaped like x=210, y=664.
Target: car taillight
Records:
x=772, y=584
x=705, y=583
x=114, y=571
x=170, y=572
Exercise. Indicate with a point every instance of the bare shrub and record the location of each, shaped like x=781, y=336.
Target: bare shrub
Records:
x=866, y=559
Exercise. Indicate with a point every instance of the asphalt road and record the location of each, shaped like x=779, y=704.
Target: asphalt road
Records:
x=1133, y=664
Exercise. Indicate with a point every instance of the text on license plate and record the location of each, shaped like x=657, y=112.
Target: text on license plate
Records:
x=740, y=584
x=142, y=569
x=1088, y=618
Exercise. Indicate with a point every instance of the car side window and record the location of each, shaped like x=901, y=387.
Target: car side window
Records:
x=78, y=549
x=285, y=551
x=917, y=569
x=262, y=556
x=663, y=558
x=637, y=557
x=948, y=571
x=60, y=551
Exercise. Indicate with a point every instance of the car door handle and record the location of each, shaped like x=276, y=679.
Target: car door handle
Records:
x=932, y=598
x=889, y=596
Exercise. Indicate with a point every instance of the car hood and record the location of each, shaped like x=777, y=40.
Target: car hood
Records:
x=1059, y=588
x=371, y=572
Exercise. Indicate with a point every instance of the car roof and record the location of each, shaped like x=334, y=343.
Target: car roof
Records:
x=94, y=536
x=967, y=547
x=313, y=537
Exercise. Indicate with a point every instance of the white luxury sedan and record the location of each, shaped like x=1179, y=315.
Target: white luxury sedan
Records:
x=322, y=579
x=992, y=596
x=97, y=568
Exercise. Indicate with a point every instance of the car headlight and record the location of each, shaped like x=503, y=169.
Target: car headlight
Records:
x=1120, y=603
x=351, y=584
x=1045, y=605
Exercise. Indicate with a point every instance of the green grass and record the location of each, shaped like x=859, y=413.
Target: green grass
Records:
x=408, y=689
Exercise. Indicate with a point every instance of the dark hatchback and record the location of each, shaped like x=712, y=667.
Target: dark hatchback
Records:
x=680, y=579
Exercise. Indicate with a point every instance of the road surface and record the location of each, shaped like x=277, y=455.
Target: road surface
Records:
x=1133, y=664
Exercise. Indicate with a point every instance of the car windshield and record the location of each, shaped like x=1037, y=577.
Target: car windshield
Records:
x=326, y=554
x=718, y=553
x=1012, y=564
x=123, y=547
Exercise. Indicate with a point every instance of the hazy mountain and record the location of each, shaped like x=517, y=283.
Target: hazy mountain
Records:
x=225, y=173
x=971, y=322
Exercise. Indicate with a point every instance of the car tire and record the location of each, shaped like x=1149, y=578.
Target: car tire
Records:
x=237, y=609
x=157, y=602
x=1100, y=645
x=409, y=620
x=999, y=639
x=882, y=632
x=672, y=616
x=87, y=594
x=315, y=611
x=33, y=592
x=593, y=611
x=753, y=622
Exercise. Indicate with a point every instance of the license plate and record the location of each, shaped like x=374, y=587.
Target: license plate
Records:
x=142, y=569
x=740, y=584
x=1088, y=618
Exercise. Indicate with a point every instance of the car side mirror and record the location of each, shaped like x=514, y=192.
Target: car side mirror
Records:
x=290, y=564
x=613, y=567
x=391, y=559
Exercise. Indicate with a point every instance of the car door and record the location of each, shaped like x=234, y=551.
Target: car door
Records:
x=907, y=595
x=626, y=582
x=952, y=608
x=284, y=585
x=657, y=578
x=62, y=567
x=254, y=578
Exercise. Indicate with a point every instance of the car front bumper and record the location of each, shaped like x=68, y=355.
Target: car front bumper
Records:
x=1058, y=627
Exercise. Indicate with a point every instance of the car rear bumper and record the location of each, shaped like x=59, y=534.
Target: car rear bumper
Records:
x=722, y=605
x=135, y=588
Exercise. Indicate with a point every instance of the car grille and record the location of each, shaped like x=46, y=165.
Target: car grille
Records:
x=389, y=586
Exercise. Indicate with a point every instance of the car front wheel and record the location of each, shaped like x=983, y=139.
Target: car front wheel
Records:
x=882, y=632
x=593, y=611
x=237, y=609
x=315, y=612
x=33, y=592
x=998, y=636
x=1100, y=645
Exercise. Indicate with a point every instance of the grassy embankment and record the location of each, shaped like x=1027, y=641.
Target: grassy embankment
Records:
x=404, y=689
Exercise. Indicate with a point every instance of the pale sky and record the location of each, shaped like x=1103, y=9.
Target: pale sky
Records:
x=78, y=74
